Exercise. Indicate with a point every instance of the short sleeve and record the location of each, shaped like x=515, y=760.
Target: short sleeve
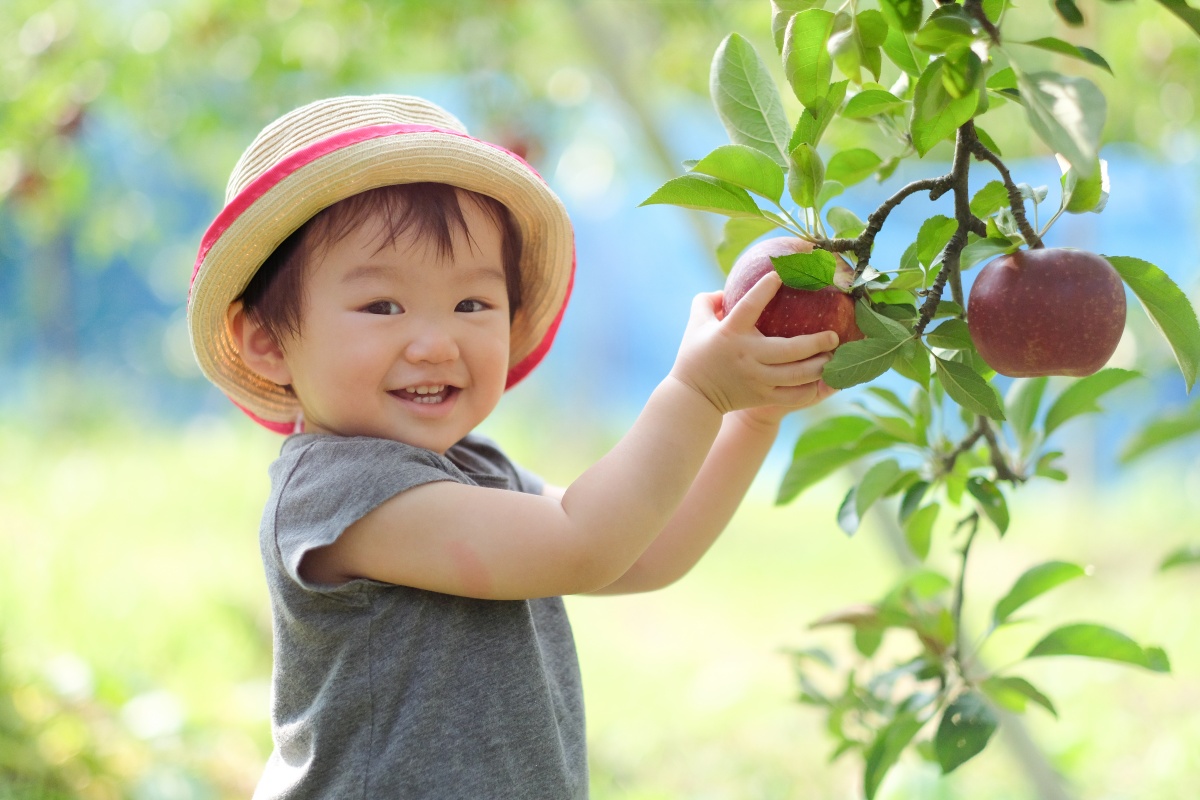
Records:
x=486, y=464
x=324, y=486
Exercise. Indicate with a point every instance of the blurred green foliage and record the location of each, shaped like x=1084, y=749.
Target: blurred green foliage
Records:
x=135, y=650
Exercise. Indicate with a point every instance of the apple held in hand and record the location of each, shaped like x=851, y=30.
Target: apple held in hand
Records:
x=1047, y=312
x=794, y=312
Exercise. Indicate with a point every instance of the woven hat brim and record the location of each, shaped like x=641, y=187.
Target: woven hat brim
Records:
x=278, y=202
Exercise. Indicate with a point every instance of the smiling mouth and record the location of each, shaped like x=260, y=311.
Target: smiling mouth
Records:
x=425, y=395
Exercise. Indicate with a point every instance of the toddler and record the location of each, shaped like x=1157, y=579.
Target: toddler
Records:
x=375, y=282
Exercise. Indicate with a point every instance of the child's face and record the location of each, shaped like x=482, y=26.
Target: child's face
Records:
x=403, y=343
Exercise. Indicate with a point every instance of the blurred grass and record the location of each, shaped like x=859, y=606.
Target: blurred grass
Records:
x=129, y=557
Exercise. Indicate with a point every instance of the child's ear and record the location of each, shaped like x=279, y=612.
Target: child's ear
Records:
x=258, y=349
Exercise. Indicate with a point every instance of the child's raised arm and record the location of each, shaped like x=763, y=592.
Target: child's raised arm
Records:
x=495, y=544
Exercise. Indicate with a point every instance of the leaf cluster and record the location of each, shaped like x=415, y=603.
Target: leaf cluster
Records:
x=945, y=458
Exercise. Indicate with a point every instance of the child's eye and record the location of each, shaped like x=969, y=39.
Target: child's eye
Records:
x=383, y=307
x=472, y=306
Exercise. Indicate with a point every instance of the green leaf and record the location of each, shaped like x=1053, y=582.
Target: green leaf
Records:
x=873, y=485
x=918, y=529
x=1003, y=79
x=1168, y=308
x=813, y=121
x=903, y=14
x=1045, y=467
x=871, y=103
x=982, y=250
x=936, y=115
x=807, y=469
x=965, y=387
x=829, y=190
x=1069, y=12
x=782, y=12
x=1184, y=556
x=991, y=501
x=962, y=74
x=1097, y=641
x=739, y=232
x=745, y=167
x=844, y=222
x=935, y=233
x=807, y=271
x=858, y=362
x=967, y=725
x=900, y=50
x=1082, y=195
x=846, y=47
x=747, y=100
x=911, y=501
x=949, y=27
x=913, y=363
x=1162, y=430
x=872, y=27
x=885, y=750
x=867, y=640
x=1012, y=692
x=1024, y=400
x=805, y=176
x=877, y=326
x=990, y=199
x=830, y=434
x=705, y=194
x=1034, y=582
x=892, y=399
x=848, y=167
x=806, y=58
x=1181, y=9
x=1055, y=45
x=988, y=140
x=950, y=335
x=1081, y=396
x=1067, y=113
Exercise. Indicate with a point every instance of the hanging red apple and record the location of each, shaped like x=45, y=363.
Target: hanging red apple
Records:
x=1050, y=311
x=794, y=312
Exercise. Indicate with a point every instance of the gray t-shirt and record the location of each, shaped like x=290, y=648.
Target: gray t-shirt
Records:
x=385, y=691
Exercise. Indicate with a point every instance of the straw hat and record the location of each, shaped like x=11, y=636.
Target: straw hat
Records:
x=329, y=150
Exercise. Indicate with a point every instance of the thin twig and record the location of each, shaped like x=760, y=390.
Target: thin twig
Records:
x=966, y=444
x=862, y=244
x=959, y=592
x=1003, y=471
x=1015, y=201
x=975, y=9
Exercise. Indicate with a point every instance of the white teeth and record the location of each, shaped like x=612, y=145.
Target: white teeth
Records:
x=426, y=394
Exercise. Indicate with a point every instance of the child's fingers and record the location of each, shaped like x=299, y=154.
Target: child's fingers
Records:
x=797, y=373
x=796, y=397
x=706, y=306
x=745, y=312
x=779, y=350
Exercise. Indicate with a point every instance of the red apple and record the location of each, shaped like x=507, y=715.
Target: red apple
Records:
x=794, y=312
x=1050, y=311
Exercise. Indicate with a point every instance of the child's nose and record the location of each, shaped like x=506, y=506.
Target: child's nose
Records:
x=431, y=344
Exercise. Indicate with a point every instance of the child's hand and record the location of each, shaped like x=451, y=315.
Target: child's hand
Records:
x=734, y=366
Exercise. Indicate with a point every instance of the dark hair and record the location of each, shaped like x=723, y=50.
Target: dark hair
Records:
x=274, y=296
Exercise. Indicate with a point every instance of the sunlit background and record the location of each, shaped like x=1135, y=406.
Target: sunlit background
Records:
x=134, y=626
